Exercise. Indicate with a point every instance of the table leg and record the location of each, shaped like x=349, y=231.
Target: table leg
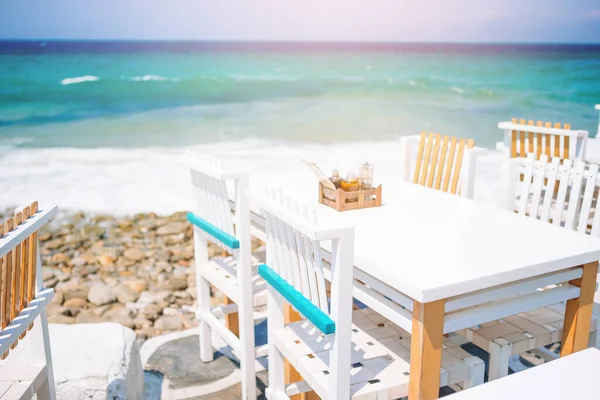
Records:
x=578, y=313
x=426, y=350
x=291, y=375
x=232, y=320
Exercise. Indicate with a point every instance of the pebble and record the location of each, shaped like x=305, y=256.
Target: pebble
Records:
x=134, y=254
x=168, y=323
x=125, y=294
x=134, y=270
x=100, y=294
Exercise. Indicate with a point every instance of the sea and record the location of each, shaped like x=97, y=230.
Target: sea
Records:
x=108, y=127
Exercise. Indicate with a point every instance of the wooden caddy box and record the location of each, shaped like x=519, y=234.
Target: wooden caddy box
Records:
x=345, y=201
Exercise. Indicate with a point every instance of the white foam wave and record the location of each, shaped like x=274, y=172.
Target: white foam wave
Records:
x=152, y=78
x=351, y=78
x=456, y=90
x=79, y=79
x=128, y=181
x=263, y=78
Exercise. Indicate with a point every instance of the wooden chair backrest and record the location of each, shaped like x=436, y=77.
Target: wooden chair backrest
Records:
x=439, y=161
x=544, y=138
x=562, y=192
x=19, y=265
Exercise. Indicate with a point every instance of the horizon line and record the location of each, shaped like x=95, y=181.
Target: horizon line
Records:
x=260, y=41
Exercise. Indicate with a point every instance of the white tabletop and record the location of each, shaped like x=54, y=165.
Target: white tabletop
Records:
x=571, y=377
x=431, y=245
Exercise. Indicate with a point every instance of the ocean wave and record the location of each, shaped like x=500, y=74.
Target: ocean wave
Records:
x=457, y=90
x=128, y=181
x=152, y=78
x=263, y=78
x=351, y=78
x=79, y=79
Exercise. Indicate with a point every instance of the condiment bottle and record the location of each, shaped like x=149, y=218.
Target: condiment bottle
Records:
x=335, y=178
x=366, y=176
x=350, y=184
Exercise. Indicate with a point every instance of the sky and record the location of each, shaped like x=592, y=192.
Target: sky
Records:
x=309, y=20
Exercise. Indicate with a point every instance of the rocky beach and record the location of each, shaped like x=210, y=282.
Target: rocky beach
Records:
x=137, y=271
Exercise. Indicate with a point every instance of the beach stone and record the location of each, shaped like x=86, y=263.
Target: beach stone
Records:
x=100, y=294
x=137, y=285
x=75, y=302
x=168, y=323
x=141, y=323
x=73, y=289
x=44, y=236
x=126, y=294
x=60, y=319
x=105, y=260
x=151, y=312
x=171, y=228
x=87, y=317
x=58, y=298
x=47, y=273
x=96, y=362
x=53, y=244
x=134, y=254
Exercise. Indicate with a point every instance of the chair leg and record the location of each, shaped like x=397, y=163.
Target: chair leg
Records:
x=206, y=348
x=594, y=340
x=247, y=356
x=47, y=390
x=476, y=372
x=275, y=305
x=500, y=352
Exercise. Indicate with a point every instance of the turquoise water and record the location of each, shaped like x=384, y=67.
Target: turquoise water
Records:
x=104, y=127
x=78, y=94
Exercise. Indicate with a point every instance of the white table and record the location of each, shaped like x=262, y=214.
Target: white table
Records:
x=436, y=254
x=572, y=377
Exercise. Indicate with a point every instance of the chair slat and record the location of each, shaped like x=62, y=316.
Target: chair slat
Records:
x=525, y=184
x=420, y=157
x=440, y=169
x=6, y=311
x=538, y=185
x=25, y=265
x=588, y=196
x=457, y=165
x=550, y=189
x=427, y=157
x=434, y=160
x=449, y=163
x=567, y=139
x=513, y=141
x=564, y=171
x=292, y=254
x=522, y=151
x=576, y=177
x=539, y=147
x=34, y=244
x=310, y=269
x=16, y=279
x=557, y=142
x=321, y=276
x=530, y=138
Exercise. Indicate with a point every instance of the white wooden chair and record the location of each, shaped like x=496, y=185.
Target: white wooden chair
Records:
x=442, y=162
x=571, y=377
x=26, y=368
x=563, y=193
x=339, y=353
x=235, y=276
x=553, y=140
